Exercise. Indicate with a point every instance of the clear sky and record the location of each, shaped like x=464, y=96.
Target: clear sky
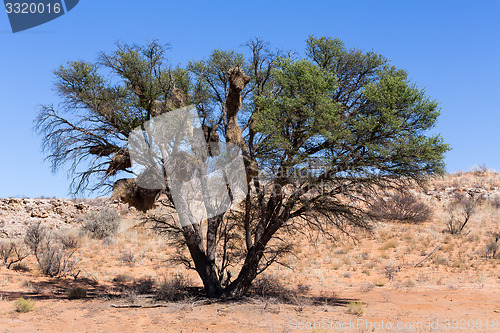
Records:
x=451, y=48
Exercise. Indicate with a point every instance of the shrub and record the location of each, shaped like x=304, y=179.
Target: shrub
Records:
x=69, y=240
x=356, y=308
x=122, y=278
x=34, y=235
x=391, y=271
x=491, y=249
x=460, y=210
x=12, y=251
x=128, y=257
x=24, y=305
x=366, y=286
x=173, y=289
x=101, y=224
x=77, y=293
x=144, y=285
x=400, y=206
x=495, y=201
x=270, y=287
x=53, y=252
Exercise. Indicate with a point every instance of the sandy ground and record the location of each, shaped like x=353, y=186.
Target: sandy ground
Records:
x=432, y=310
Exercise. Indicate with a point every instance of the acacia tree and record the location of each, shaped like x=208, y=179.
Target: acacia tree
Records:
x=320, y=135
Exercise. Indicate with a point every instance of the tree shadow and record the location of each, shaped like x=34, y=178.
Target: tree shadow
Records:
x=59, y=288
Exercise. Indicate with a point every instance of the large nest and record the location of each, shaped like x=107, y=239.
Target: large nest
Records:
x=126, y=190
x=120, y=161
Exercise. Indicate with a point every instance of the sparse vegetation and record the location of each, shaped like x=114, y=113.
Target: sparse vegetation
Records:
x=391, y=258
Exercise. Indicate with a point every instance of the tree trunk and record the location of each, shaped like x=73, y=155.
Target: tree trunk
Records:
x=247, y=274
x=206, y=268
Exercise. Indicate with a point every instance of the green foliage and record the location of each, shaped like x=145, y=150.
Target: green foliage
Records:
x=348, y=108
x=211, y=81
x=300, y=110
x=351, y=110
x=102, y=103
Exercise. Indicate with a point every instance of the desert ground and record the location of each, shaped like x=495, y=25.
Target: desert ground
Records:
x=397, y=277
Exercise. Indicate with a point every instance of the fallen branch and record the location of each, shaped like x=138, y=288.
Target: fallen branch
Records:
x=421, y=261
x=146, y=306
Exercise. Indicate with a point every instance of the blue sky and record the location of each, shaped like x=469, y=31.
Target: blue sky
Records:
x=451, y=48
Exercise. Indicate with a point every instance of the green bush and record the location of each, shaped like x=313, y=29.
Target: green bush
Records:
x=24, y=305
x=356, y=308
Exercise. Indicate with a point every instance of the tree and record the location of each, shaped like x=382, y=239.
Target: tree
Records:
x=320, y=135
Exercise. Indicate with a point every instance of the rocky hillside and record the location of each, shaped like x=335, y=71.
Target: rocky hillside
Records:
x=17, y=213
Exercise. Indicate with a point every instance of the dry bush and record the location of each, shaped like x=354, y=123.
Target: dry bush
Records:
x=123, y=278
x=460, y=210
x=53, y=252
x=495, y=201
x=270, y=287
x=144, y=286
x=400, y=206
x=390, y=244
x=173, y=289
x=391, y=271
x=35, y=233
x=12, y=251
x=491, y=248
x=366, y=286
x=69, y=240
x=128, y=257
x=77, y=293
x=101, y=224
